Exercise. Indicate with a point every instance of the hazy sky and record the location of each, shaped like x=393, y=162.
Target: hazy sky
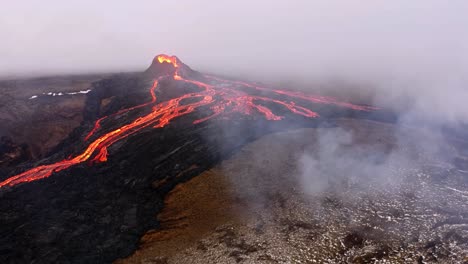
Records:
x=407, y=41
x=89, y=35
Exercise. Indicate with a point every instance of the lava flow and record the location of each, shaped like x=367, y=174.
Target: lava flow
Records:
x=223, y=97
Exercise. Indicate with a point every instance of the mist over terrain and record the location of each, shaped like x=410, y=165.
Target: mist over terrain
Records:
x=410, y=55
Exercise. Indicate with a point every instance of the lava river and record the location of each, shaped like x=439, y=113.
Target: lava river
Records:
x=221, y=96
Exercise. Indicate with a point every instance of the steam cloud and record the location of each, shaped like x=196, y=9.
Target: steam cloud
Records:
x=339, y=160
x=403, y=54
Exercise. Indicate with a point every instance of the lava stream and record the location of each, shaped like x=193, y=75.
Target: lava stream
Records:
x=221, y=96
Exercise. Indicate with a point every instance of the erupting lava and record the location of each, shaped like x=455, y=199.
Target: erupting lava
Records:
x=221, y=96
x=168, y=59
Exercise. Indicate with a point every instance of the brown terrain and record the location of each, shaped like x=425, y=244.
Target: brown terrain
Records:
x=254, y=208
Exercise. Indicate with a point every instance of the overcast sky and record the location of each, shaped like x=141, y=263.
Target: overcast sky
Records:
x=361, y=39
x=85, y=35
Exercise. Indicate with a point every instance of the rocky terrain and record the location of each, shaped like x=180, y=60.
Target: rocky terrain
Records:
x=40, y=123
x=253, y=207
x=226, y=202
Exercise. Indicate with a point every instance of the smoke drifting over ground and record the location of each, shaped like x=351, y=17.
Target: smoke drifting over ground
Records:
x=410, y=54
x=341, y=158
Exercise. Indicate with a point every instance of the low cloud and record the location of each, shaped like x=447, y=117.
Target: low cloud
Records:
x=406, y=55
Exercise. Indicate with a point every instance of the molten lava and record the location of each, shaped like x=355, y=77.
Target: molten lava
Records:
x=223, y=97
x=168, y=59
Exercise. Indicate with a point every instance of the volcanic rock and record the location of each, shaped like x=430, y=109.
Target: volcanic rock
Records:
x=140, y=136
x=11, y=153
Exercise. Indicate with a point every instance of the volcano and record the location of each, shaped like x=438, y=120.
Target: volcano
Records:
x=200, y=93
x=98, y=191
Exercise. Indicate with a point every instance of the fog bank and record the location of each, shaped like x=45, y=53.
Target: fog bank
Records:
x=411, y=51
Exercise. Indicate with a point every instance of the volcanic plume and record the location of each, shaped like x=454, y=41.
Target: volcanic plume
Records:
x=219, y=98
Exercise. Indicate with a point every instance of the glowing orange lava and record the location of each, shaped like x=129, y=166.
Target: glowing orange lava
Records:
x=168, y=59
x=222, y=96
x=171, y=60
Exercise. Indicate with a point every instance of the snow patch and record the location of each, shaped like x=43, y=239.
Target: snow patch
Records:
x=60, y=93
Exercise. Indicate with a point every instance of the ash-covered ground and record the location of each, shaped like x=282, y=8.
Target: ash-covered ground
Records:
x=260, y=206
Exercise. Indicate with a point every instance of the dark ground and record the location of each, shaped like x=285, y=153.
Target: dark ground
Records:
x=97, y=214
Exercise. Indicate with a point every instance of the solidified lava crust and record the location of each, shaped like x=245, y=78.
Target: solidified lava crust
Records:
x=94, y=197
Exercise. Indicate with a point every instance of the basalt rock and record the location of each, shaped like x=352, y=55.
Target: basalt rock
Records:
x=96, y=211
x=12, y=153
